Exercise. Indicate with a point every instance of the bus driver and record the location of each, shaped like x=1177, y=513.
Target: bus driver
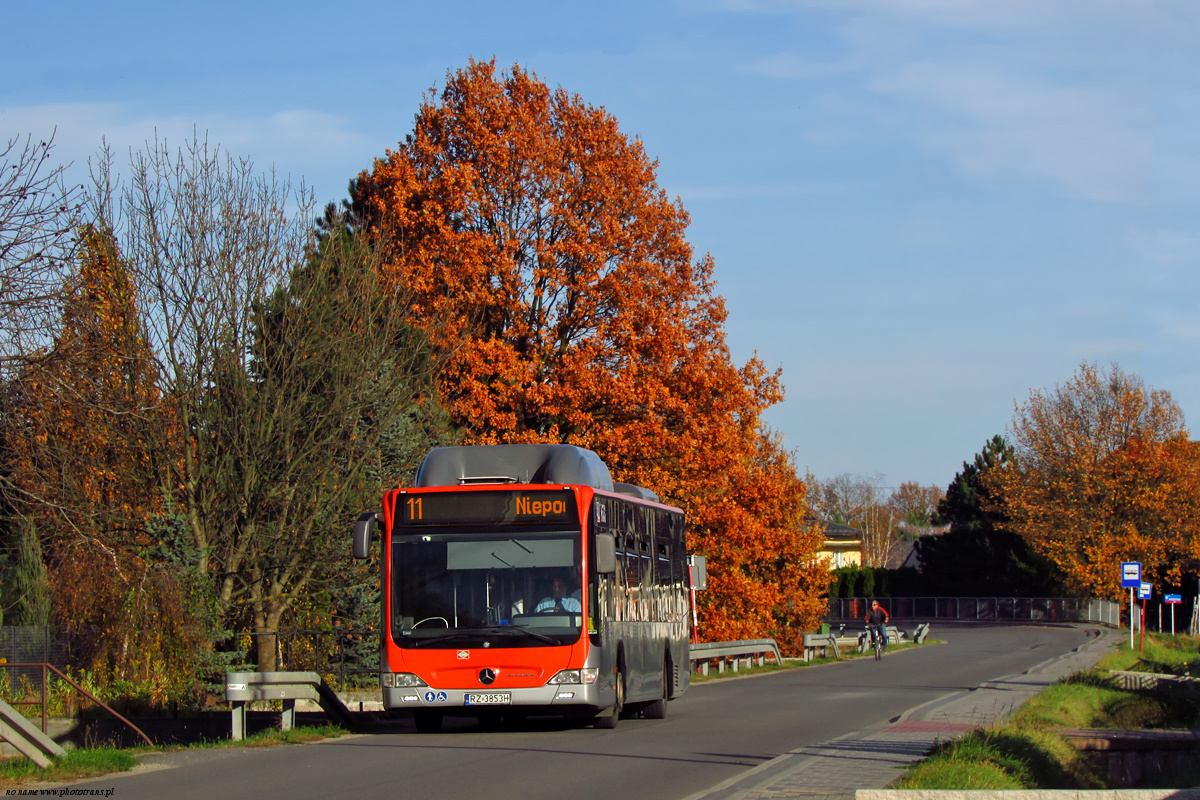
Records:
x=558, y=600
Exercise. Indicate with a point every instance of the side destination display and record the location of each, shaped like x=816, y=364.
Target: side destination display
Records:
x=492, y=507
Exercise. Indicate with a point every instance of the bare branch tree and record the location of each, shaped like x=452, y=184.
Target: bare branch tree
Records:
x=286, y=365
x=38, y=211
x=206, y=237
x=859, y=501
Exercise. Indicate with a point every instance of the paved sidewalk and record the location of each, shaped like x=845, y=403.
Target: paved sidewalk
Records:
x=873, y=758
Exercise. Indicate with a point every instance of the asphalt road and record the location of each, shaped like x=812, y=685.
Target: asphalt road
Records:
x=714, y=732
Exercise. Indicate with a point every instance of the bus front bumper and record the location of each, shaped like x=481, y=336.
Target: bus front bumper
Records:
x=552, y=699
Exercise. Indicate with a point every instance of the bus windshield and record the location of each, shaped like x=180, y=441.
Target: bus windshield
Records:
x=459, y=590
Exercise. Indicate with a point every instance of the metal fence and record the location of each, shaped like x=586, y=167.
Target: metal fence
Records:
x=350, y=658
x=993, y=609
x=33, y=644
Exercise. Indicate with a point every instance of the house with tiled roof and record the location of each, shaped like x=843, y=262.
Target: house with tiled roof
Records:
x=842, y=545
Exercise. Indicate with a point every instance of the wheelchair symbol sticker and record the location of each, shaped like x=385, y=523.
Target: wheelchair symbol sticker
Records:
x=431, y=697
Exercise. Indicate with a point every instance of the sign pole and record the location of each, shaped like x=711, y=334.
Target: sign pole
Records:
x=1142, y=641
x=1131, y=577
x=1144, y=592
x=1132, y=612
x=1172, y=600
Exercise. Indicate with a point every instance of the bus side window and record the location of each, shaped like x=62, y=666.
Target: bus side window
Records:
x=662, y=549
x=633, y=569
x=647, y=562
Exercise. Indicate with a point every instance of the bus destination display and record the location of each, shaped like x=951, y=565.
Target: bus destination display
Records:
x=490, y=507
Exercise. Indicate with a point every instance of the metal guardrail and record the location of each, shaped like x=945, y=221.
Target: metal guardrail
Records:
x=837, y=642
x=247, y=687
x=703, y=653
x=823, y=642
x=992, y=609
x=756, y=650
x=894, y=634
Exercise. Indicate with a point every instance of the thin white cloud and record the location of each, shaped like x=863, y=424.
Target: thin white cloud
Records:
x=289, y=141
x=789, y=65
x=746, y=191
x=990, y=15
x=1181, y=328
x=1059, y=93
x=1094, y=143
x=1172, y=247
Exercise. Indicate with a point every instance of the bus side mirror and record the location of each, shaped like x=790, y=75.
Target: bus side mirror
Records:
x=606, y=554
x=362, y=534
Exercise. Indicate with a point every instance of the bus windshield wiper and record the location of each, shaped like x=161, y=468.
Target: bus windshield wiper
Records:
x=449, y=637
x=515, y=630
x=522, y=629
x=478, y=633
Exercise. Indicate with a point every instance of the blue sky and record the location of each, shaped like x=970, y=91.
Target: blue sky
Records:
x=919, y=209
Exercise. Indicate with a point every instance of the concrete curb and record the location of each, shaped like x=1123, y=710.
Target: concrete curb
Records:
x=1032, y=794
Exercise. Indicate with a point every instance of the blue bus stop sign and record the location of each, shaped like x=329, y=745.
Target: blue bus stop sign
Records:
x=1131, y=574
x=1144, y=591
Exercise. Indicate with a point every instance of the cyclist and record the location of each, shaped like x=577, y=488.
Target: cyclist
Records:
x=877, y=619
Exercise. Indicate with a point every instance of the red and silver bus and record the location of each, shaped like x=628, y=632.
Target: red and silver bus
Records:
x=521, y=580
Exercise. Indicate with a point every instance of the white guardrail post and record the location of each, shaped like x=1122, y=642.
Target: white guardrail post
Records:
x=746, y=648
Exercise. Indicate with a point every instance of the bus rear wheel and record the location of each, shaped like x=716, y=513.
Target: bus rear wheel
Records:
x=657, y=709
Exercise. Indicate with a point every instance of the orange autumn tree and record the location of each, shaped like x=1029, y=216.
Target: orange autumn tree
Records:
x=750, y=522
x=550, y=270
x=1103, y=472
x=90, y=446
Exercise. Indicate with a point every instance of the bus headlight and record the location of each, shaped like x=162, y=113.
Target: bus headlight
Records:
x=587, y=676
x=399, y=680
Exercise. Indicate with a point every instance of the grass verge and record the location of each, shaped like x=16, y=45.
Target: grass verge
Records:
x=75, y=765
x=1028, y=754
x=1160, y=653
x=79, y=765
x=1007, y=757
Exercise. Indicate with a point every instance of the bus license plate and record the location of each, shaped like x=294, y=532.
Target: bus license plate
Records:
x=489, y=699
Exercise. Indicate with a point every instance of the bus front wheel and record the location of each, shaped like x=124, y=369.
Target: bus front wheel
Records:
x=609, y=721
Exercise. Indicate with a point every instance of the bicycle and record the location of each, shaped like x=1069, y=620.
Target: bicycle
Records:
x=877, y=642
x=877, y=620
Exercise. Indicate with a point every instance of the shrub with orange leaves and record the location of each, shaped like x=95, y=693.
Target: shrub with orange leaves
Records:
x=90, y=445
x=538, y=254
